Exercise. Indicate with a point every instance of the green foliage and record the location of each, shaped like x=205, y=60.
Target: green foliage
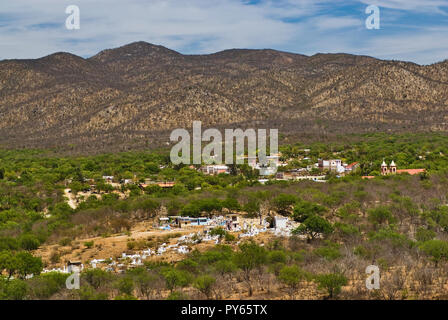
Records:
x=346, y=229
x=218, y=231
x=396, y=239
x=29, y=242
x=304, y=209
x=13, y=289
x=224, y=267
x=205, y=284
x=332, y=283
x=313, y=226
x=27, y=264
x=292, y=276
x=89, y=244
x=125, y=297
x=250, y=256
x=47, y=284
x=283, y=202
x=423, y=234
x=252, y=207
x=176, y=278
x=277, y=256
x=125, y=286
x=96, y=277
x=330, y=251
x=436, y=249
x=88, y=293
x=380, y=215
x=177, y=295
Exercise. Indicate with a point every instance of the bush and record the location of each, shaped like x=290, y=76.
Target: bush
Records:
x=125, y=285
x=29, y=242
x=332, y=283
x=305, y=209
x=291, y=276
x=380, y=215
x=176, y=278
x=313, y=226
x=177, y=295
x=46, y=285
x=329, y=252
x=65, y=242
x=96, y=277
x=437, y=249
x=13, y=289
x=283, y=202
x=423, y=234
x=205, y=284
x=277, y=256
x=89, y=244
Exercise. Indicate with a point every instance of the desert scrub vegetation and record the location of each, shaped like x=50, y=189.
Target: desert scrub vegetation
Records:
x=399, y=223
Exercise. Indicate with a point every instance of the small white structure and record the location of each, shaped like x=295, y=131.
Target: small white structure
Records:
x=74, y=266
x=280, y=222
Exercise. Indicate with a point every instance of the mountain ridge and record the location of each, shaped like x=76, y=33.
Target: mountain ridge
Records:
x=133, y=96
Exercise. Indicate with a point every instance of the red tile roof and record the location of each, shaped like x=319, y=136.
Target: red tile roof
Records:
x=411, y=171
x=351, y=165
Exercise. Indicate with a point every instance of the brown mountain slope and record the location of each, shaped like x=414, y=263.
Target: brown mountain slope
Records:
x=133, y=96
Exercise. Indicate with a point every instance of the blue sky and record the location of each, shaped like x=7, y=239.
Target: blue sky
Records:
x=411, y=30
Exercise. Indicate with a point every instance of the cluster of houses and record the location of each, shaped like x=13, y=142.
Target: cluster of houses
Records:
x=273, y=163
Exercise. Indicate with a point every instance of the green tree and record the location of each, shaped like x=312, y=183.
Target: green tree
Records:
x=249, y=257
x=8, y=263
x=96, y=277
x=291, y=276
x=27, y=264
x=437, y=249
x=175, y=278
x=313, y=226
x=283, y=202
x=380, y=215
x=205, y=285
x=423, y=234
x=125, y=286
x=145, y=282
x=13, y=289
x=305, y=209
x=231, y=204
x=332, y=283
x=29, y=242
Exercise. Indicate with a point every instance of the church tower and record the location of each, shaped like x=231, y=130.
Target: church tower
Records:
x=384, y=170
x=393, y=167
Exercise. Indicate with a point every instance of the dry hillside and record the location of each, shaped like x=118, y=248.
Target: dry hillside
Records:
x=132, y=96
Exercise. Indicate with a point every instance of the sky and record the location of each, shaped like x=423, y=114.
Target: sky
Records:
x=410, y=30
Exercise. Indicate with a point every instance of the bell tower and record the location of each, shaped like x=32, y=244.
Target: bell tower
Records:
x=384, y=170
x=393, y=167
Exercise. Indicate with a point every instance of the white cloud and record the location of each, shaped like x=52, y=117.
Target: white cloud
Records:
x=205, y=26
x=411, y=5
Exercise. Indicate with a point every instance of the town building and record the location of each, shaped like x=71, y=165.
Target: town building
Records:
x=334, y=165
x=215, y=169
